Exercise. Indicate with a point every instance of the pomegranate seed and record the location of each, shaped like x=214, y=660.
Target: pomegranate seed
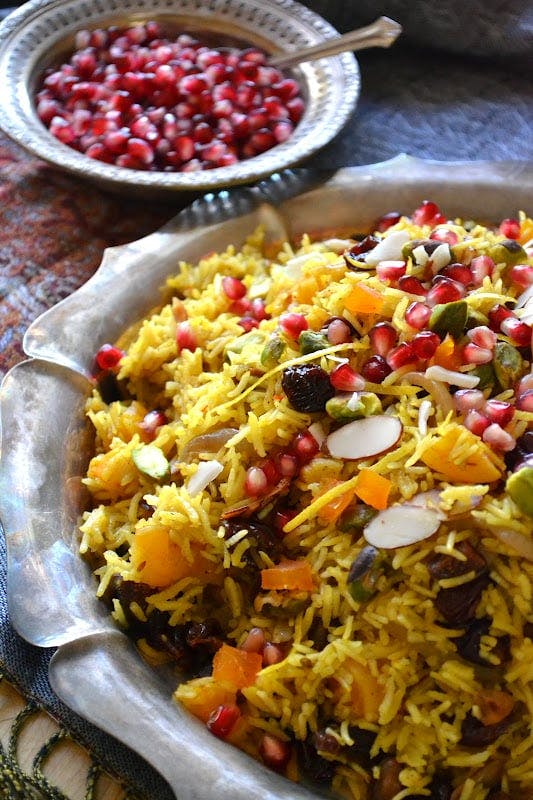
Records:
x=61, y=129
x=383, y=337
x=248, y=323
x=417, y=315
x=185, y=336
x=387, y=221
x=473, y=354
x=288, y=465
x=375, y=369
x=339, y=332
x=152, y=421
x=221, y=721
x=286, y=89
x=305, y=447
x=499, y=411
x=141, y=78
x=411, y=285
x=497, y=314
x=483, y=336
x=258, y=310
x=271, y=471
x=445, y=236
x=233, y=288
x=525, y=383
x=256, y=482
x=428, y=213
x=510, y=228
x=272, y=654
x=425, y=343
x=524, y=401
x=184, y=147
x=254, y=642
x=468, y=399
x=140, y=149
x=458, y=272
x=476, y=422
x=117, y=141
x=521, y=275
x=496, y=437
x=390, y=270
x=293, y=324
x=401, y=355
x=296, y=108
x=243, y=306
x=346, y=379
x=274, y=753
x=109, y=356
x=445, y=291
x=281, y=518
x=519, y=332
x=481, y=267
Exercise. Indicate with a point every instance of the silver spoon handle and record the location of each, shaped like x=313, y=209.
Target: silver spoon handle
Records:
x=381, y=33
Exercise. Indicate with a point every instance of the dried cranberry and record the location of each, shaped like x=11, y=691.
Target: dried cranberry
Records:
x=307, y=387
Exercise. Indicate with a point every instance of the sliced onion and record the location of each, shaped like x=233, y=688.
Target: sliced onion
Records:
x=208, y=442
x=424, y=413
x=436, y=389
x=516, y=540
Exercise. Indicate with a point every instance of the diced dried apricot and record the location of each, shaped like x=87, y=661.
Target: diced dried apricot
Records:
x=363, y=300
x=462, y=457
x=236, y=667
x=159, y=561
x=290, y=575
x=373, y=489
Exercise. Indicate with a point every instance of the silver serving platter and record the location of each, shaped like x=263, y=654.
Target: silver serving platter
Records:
x=41, y=33
x=46, y=446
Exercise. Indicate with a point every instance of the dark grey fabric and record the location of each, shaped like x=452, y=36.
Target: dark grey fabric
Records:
x=457, y=86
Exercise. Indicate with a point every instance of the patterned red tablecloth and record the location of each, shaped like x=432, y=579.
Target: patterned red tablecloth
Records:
x=53, y=231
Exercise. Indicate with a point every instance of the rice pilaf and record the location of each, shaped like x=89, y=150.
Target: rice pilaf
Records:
x=312, y=491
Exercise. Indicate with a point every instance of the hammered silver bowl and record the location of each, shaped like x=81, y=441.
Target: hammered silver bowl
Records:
x=41, y=33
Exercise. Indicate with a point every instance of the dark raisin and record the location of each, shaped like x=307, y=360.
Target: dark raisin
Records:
x=441, y=786
x=204, y=634
x=109, y=387
x=527, y=630
x=326, y=743
x=497, y=794
x=307, y=387
x=144, y=510
x=363, y=741
x=443, y=566
x=261, y=537
x=317, y=768
x=388, y=784
x=318, y=634
x=468, y=645
x=475, y=734
x=523, y=452
x=459, y=603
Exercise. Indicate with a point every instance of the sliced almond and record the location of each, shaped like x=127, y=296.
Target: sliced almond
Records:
x=401, y=525
x=389, y=249
x=207, y=471
x=364, y=438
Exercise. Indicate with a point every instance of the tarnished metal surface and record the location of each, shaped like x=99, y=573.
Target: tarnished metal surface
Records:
x=45, y=445
x=42, y=31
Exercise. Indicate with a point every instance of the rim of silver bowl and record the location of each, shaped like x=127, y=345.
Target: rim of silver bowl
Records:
x=32, y=34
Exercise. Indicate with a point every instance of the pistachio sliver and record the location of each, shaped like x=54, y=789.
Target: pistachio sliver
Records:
x=150, y=460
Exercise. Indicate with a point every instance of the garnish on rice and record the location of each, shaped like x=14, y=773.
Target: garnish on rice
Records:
x=312, y=491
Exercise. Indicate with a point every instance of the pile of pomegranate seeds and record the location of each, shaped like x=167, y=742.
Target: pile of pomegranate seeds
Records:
x=133, y=98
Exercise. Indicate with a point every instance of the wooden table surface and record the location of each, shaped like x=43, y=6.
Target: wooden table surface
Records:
x=68, y=763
